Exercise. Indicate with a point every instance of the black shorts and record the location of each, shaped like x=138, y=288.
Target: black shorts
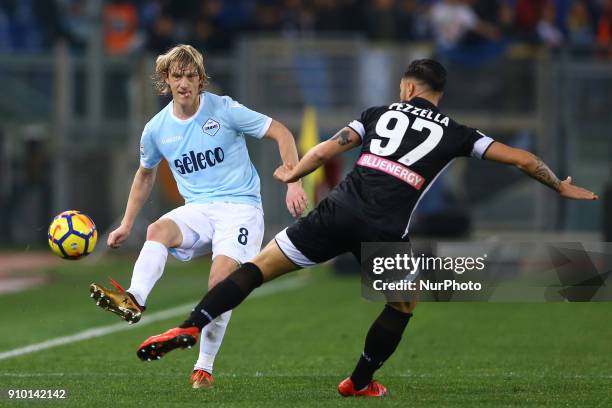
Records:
x=327, y=231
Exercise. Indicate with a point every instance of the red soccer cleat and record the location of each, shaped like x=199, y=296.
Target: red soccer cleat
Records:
x=155, y=347
x=374, y=389
x=201, y=379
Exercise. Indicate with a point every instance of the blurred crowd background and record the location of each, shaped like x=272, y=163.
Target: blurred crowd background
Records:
x=481, y=27
x=535, y=74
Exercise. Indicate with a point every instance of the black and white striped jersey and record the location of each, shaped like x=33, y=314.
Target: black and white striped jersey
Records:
x=405, y=147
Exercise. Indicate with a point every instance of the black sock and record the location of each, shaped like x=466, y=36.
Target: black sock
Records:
x=382, y=340
x=228, y=294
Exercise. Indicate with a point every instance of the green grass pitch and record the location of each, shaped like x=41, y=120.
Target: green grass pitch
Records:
x=292, y=347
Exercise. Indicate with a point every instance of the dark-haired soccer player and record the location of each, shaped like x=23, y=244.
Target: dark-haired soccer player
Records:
x=404, y=147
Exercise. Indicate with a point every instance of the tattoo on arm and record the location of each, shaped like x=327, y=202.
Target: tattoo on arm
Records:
x=544, y=175
x=343, y=137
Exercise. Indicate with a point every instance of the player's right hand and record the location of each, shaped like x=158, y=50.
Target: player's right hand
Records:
x=284, y=173
x=116, y=238
x=569, y=190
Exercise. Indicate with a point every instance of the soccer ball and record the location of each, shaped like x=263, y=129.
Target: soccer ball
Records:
x=72, y=235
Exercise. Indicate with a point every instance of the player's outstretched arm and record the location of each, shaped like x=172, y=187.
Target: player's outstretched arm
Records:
x=342, y=141
x=534, y=167
x=139, y=193
x=296, y=199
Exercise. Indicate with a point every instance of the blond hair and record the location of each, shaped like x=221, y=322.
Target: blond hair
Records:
x=182, y=56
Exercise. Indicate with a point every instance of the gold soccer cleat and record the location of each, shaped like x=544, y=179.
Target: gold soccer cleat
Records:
x=117, y=301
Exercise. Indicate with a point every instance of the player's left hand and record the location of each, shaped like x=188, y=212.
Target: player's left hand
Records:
x=297, y=202
x=569, y=190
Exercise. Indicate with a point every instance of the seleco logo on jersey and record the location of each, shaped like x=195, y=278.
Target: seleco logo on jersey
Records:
x=193, y=161
x=211, y=127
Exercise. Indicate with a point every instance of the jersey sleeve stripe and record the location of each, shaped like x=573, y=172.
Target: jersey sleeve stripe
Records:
x=148, y=165
x=481, y=146
x=357, y=126
x=264, y=128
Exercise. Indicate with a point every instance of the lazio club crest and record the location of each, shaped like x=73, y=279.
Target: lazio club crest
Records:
x=211, y=127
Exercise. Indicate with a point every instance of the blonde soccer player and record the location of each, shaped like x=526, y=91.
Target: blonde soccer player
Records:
x=202, y=137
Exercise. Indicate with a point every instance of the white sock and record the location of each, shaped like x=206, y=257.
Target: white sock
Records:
x=210, y=342
x=148, y=268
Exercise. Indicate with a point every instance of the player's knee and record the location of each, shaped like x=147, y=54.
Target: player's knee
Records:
x=272, y=262
x=214, y=281
x=222, y=267
x=155, y=232
x=161, y=231
x=404, y=307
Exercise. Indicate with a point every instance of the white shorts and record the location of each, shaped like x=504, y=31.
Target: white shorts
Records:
x=233, y=230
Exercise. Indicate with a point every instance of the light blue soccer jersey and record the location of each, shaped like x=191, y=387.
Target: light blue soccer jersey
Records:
x=207, y=153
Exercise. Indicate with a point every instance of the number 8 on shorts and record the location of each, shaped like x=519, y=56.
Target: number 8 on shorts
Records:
x=243, y=236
